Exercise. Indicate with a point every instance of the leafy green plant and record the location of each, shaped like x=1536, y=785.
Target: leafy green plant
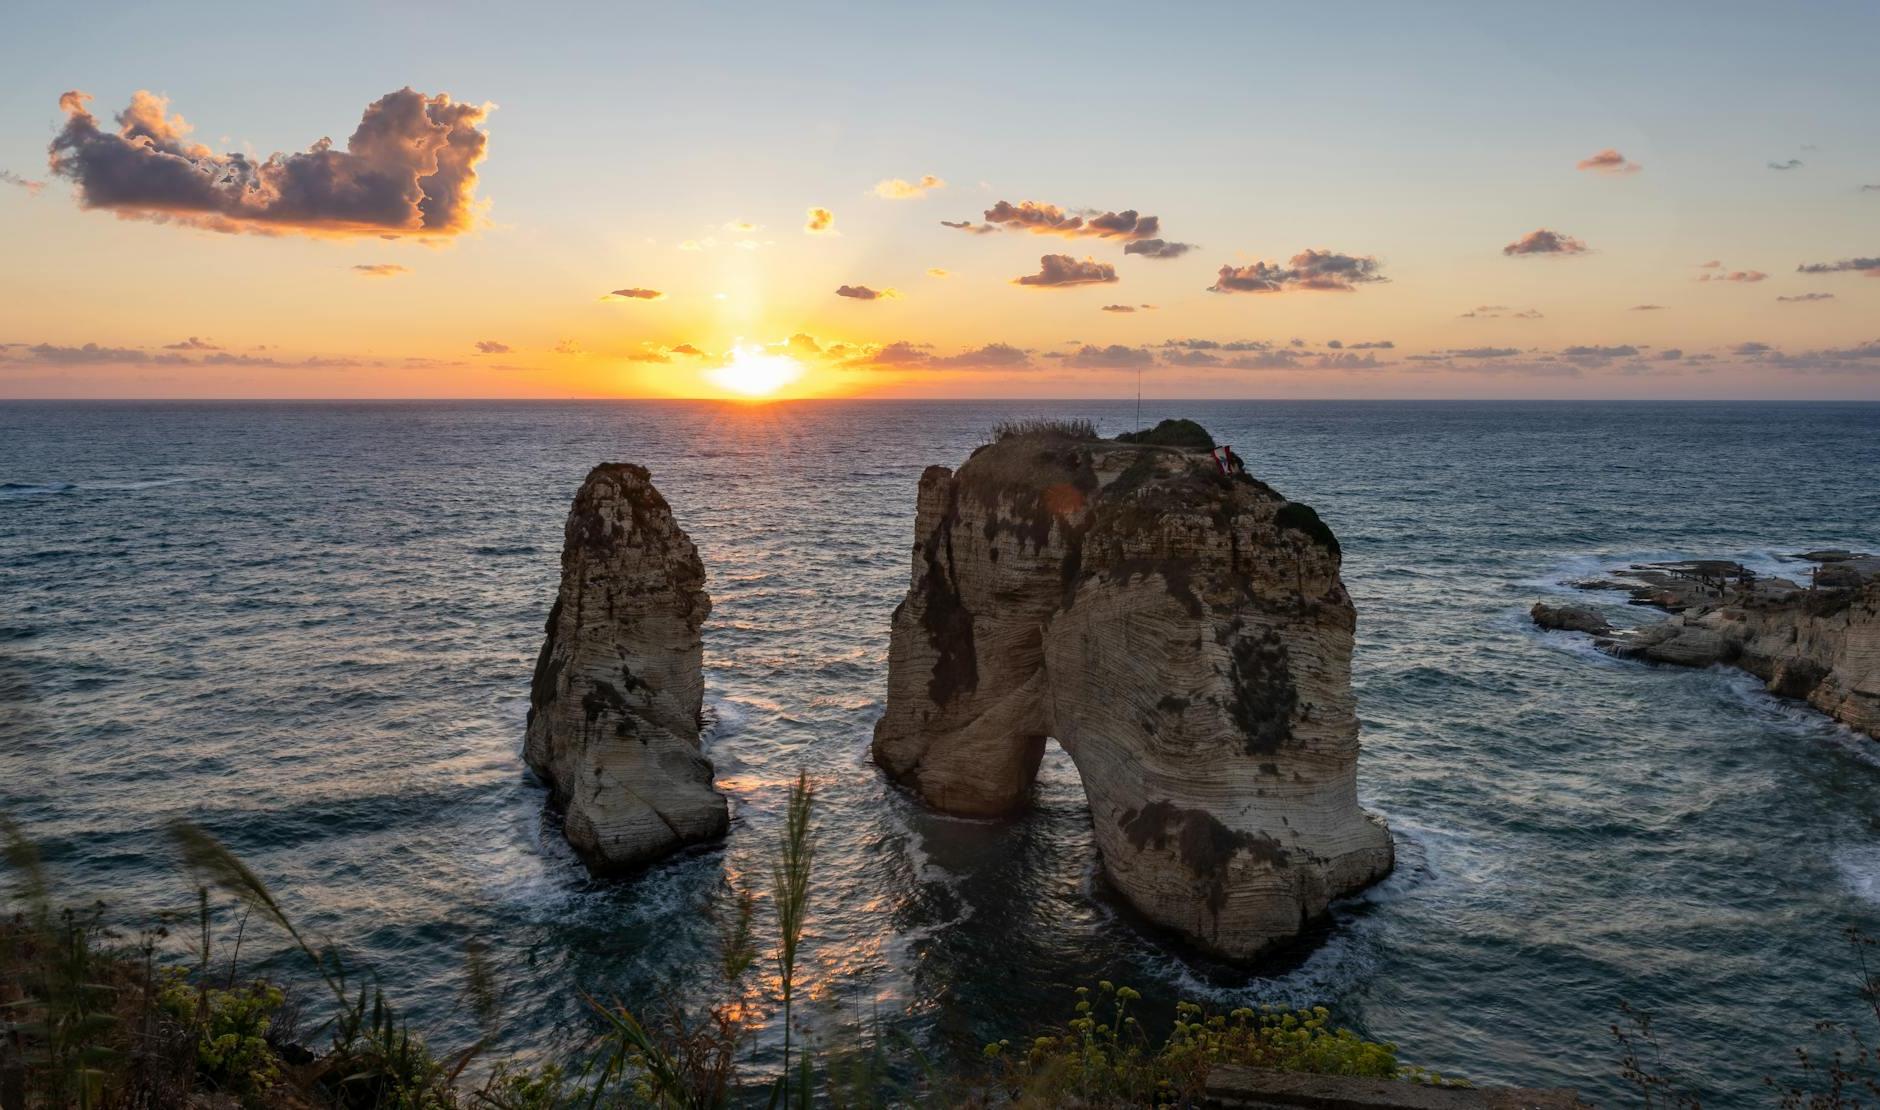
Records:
x=231, y=1027
x=1104, y=1057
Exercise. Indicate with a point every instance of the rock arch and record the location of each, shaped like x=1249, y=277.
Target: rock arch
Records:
x=1184, y=635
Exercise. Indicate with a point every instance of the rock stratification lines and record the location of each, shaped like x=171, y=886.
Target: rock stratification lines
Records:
x=1184, y=635
x=614, y=709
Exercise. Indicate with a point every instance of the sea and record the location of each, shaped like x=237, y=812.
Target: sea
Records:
x=309, y=628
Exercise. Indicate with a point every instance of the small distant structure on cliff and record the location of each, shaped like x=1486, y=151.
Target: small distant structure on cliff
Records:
x=1185, y=636
x=614, y=709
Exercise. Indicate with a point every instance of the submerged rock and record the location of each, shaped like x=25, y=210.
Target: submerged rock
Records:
x=1183, y=635
x=614, y=710
x=1819, y=643
x=1570, y=618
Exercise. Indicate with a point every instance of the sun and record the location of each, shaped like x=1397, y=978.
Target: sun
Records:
x=755, y=372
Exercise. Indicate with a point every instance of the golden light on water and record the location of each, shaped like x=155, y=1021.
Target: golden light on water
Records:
x=755, y=372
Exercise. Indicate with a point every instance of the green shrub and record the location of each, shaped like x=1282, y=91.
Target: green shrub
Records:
x=1172, y=433
x=1108, y=1059
x=231, y=1032
x=1039, y=427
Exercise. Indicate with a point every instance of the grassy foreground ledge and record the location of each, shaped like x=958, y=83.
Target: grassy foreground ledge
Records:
x=93, y=1018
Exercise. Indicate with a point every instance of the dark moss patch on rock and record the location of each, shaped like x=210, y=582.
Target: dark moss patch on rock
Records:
x=1200, y=841
x=1264, y=696
x=548, y=667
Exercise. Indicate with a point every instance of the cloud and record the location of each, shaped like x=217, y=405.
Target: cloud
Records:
x=1368, y=345
x=1791, y=164
x=635, y=294
x=820, y=221
x=1309, y=269
x=1647, y=308
x=8, y=177
x=1870, y=188
x=1119, y=308
x=1543, y=241
x=1596, y=355
x=88, y=354
x=492, y=347
x=937, y=272
x=409, y=168
x=1048, y=219
x=1000, y=356
x=569, y=347
x=896, y=189
x=191, y=344
x=740, y=227
x=1670, y=354
x=971, y=228
x=1609, y=161
x=686, y=349
x=648, y=356
x=1266, y=360
x=1484, y=352
x=1113, y=357
x=1870, y=266
x=1191, y=358
x=1157, y=248
x=864, y=293
x=379, y=269
x=1808, y=297
x=1741, y=276
x=1751, y=349
x=1062, y=269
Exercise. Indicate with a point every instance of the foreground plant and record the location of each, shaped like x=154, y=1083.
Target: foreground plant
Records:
x=1104, y=1057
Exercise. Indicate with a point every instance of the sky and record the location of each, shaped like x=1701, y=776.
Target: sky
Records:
x=962, y=200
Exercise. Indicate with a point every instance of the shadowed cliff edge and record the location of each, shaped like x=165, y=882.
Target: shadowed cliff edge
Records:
x=614, y=709
x=1183, y=634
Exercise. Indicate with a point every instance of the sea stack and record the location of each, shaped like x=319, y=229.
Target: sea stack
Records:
x=1182, y=632
x=614, y=710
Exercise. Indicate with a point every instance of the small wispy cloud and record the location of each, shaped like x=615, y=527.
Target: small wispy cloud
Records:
x=1320, y=270
x=1802, y=297
x=379, y=269
x=492, y=347
x=1543, y=241
x=819, y=221
x=1789, y=164
x=864, y=293
x=1869, y=266
x=937, y=272
x=971, y=228
x=1157, y=248
x=8, y=177
x=1608, y=161
x=635, y=294
x=1064, y=270
x=1647, y=308
x=895, y=188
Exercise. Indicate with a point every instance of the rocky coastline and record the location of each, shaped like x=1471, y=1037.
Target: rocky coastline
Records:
x=1816, y=641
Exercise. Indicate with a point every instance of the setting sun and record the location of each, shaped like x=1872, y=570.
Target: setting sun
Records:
x=755, y=372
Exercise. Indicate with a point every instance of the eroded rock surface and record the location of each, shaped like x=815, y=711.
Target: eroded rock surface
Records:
x=1570, y=618
x=614, y=710
x=1183, y=635
x=1819, y=642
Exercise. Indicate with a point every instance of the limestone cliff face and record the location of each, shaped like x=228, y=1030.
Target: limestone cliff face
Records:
x=1820, y=644
x=614, y=708
x=1184, y=636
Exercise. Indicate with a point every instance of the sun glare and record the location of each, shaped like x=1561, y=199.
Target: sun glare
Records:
x=755, y=372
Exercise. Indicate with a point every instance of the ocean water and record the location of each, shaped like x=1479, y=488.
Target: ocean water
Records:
x=310, y=628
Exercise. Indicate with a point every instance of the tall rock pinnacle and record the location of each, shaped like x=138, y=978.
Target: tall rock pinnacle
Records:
x=614, y=708
x=1184, y=635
